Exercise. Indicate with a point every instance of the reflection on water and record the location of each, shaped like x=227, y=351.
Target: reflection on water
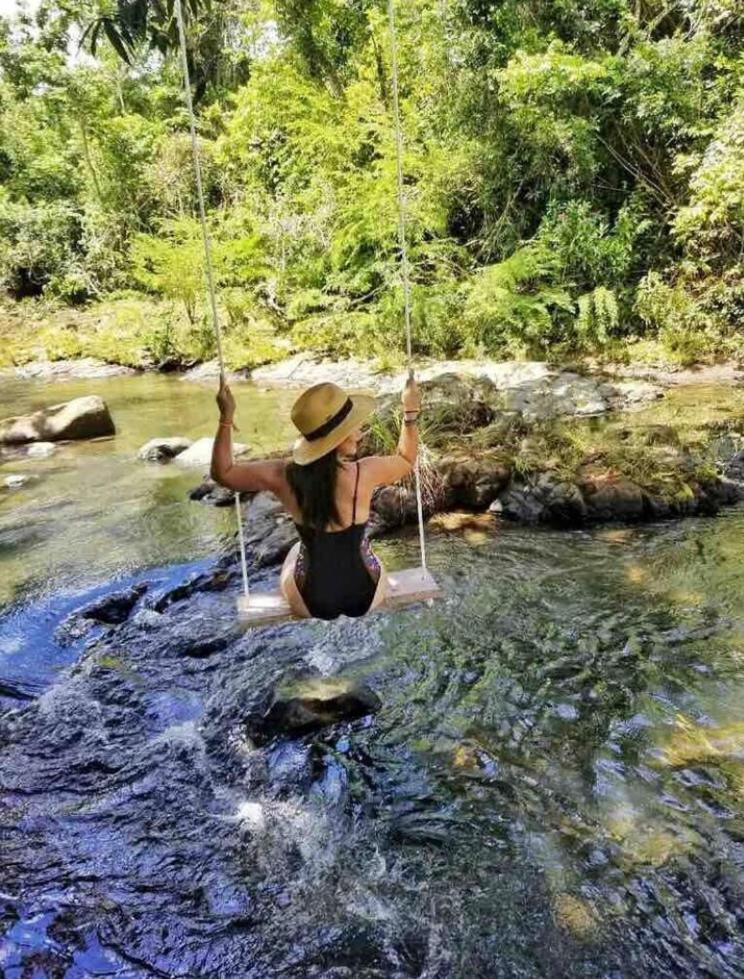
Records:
x=92, y=510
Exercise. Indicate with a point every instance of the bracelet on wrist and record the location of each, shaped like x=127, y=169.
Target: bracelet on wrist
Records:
x=226, y=424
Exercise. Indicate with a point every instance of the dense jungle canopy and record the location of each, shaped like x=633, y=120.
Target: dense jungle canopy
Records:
x=574, y=171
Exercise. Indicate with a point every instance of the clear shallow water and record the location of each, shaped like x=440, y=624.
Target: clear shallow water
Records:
x=553, y=787
x=94, y=511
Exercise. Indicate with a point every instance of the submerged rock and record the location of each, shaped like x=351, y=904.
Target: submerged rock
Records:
x=81, y=418
x=163, y=449
x=309, y=703
x=116, y=607
x=112, y=609
x=210, y=492
x=41, y=450
x=17, y=480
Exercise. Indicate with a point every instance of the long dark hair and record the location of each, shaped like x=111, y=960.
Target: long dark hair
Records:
x=314, y=486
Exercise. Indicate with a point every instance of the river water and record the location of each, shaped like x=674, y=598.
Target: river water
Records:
x=554, y=785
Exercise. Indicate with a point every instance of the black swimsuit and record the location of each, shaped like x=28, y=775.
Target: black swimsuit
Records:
x=331, y=572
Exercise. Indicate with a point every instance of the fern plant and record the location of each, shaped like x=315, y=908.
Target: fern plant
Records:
x=511, y=305
x=598, y=317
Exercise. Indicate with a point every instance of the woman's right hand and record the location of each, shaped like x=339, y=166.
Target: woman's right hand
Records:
x=226, y=402
x=410, y=397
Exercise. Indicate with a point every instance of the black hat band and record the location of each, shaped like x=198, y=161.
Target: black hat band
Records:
x=327, y=427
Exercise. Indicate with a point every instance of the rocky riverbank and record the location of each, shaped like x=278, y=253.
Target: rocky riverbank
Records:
x=522, y=440
x=490, y=449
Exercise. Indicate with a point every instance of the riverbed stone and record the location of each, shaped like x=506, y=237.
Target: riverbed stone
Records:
x=457, y=402
x=199, y=453
x=393, y=507
x=534, y=389
x=83, y=368
x=289, y=766
x=735, y=467
x=209, y=373
x=268, y=530
x=311, y=703
x=610, y=497
x=622, y=395
x=563, y=502
x=81, y=418
x=521, y=503
x=163, y=449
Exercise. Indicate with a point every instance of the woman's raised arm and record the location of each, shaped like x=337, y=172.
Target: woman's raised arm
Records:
x=389, y=469
x=248, y=477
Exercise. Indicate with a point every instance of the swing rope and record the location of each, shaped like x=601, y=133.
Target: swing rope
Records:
x=209, y=273
x=402, y=244
x=208, y=270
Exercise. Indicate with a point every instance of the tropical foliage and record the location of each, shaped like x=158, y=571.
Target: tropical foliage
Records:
x=574, y=172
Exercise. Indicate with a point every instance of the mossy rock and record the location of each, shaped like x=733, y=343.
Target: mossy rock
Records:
x=310, y=703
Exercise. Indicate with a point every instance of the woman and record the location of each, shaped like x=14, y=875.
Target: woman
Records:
x=331, y=570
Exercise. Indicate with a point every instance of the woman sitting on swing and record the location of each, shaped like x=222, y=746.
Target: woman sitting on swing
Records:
x=332, y=569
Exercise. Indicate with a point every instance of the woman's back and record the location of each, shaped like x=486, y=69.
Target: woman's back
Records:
x=352, y=496
x=337, y=572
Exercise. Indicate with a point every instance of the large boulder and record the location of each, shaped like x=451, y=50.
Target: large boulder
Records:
x=472, y=481
x=457, y=402
x=610, y=497
x=200, y=453
x=112, y=609
x=82, y=418
x=392, y=507
x=543, y=498
x=163, y=449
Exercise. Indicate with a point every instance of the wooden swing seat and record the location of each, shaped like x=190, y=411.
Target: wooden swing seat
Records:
x=404, y=588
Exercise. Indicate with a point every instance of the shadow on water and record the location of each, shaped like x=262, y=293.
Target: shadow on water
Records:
x=554, y=786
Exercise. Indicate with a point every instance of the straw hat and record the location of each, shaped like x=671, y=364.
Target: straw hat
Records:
x=325, y=414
